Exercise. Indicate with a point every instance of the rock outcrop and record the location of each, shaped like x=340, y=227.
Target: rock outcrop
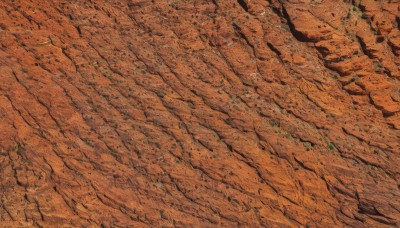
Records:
x=203, y=113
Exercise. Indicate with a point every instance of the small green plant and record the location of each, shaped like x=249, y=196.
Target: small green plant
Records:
x=275, y=123
x=20, y=150
x=372, y=102
x=160, y=94
x=334, y=76
x=332, y=115
x=215, y=155
x=308, y=146
x=364, y=16
x=160, y=185
x=352, y=37
x=378, y=67
x=331, y=146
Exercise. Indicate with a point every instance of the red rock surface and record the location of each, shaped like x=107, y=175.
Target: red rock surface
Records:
x=203, y=113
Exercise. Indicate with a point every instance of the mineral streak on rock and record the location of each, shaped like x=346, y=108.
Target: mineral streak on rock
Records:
x=199, y=113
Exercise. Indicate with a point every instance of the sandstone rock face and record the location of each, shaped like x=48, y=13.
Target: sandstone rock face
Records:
x=203, y=113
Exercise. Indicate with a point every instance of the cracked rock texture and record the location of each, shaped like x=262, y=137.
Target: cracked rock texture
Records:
x=199, y=113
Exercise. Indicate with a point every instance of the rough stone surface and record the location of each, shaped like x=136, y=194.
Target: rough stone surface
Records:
x=203, y=113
